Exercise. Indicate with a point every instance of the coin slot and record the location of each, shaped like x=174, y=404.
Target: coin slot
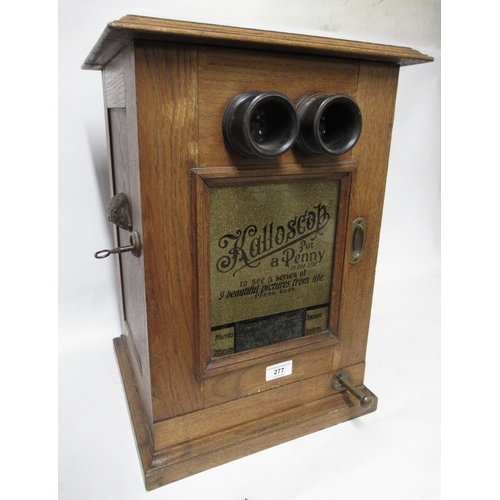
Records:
x=357, y=240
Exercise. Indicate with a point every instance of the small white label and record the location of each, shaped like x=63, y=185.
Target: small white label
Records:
x=279, y=370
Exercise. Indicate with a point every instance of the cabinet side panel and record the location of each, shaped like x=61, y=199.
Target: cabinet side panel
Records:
x=119, y=85
x=376, y=98
x=168, y=138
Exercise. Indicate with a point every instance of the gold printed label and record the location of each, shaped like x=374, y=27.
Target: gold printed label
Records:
x=271, y=252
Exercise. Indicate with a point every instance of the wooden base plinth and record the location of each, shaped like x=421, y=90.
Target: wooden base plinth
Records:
x=167, y=465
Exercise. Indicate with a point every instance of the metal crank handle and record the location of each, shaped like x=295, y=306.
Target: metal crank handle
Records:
x=343, y=381
x=135, y=247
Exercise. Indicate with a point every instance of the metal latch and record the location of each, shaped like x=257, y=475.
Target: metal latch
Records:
x=135, y=247
x=117, y=212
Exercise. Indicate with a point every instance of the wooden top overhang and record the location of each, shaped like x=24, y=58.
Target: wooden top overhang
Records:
x=118, y=33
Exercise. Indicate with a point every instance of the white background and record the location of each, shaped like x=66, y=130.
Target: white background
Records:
x=393, y=453
x=65, y=411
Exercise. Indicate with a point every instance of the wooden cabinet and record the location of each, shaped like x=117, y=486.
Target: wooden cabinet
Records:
x=251, y=282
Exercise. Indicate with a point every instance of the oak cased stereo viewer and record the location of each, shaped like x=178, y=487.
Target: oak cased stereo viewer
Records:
x=248, y=172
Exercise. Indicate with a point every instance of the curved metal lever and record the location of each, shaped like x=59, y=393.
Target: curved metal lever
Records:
x=343, y=381
x=135, y=247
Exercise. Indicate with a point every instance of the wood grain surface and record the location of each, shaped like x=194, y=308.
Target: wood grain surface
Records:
x=188, y=449
x=376, y=99
x=120, y=103
x=166, y=85
x=118, y=33
x=167, y=133
x=225, y=73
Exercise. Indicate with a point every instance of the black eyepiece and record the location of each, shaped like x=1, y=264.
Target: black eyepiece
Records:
x=262, y=124
x=328, y=124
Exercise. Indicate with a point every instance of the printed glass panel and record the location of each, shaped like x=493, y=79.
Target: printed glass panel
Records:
x=271, y=256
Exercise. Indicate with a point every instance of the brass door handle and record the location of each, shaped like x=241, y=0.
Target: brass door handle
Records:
x=343, y=381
